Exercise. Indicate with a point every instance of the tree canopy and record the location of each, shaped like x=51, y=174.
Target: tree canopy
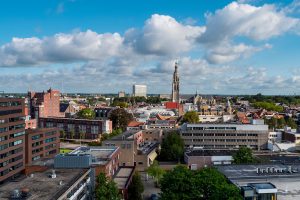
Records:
x=136, y=188
x=205, y=184
x=86, y=113
x=243, y=156
x=191, y=117
x=120, y=118
x=281, y=122
x=172, y=147
x=268, y=106
x=106, y=189
x=156, y=171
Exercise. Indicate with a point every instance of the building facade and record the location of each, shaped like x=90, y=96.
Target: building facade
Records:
x=41, y=143
x=12, y=137
x=137, y=148
x=139, y=90
x=225, y=136
x=44, y=104
x=175, y=85
x=78, y=128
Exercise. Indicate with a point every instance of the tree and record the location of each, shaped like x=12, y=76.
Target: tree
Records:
x=243, y=156
x=155, y=171
x=291, y=123
x=191, y=117
x=205, y=184
x=136, y=188
x=106, y=189
x=120, y=118
x=62, y=134
x=172, y=147
x=86, y=113
x=72, y=134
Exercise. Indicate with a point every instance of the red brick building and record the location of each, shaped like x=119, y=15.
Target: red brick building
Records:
x=41, y=143
x=44, y=104
x=12, y=137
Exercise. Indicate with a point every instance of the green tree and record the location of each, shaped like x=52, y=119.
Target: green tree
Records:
x=191, y=117
x=86, y=113
x=106, y=189
x=120, y=118
x=155, y=171
x=205, y=184
x=172, y=147
x=62, y=134
x=291, y=123
x=72, y=134
x=136, y=188
x=120, y=104
x=243, y=156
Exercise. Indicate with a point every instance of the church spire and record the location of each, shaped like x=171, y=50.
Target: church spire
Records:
x=175, y=85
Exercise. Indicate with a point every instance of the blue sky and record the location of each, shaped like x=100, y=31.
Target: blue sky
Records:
x=223, y=47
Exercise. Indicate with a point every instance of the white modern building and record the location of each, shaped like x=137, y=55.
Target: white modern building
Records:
x=139, y=90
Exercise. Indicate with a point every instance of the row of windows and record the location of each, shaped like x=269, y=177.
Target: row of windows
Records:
x=10, y=103
x=211, y=128
x=221, y=134
x=9, y=112
x=223, y=140
x=50, y=140
x=15, y=151
x=3, y=164
x=4, y=172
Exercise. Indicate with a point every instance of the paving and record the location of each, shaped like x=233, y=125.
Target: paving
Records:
x=149, y=186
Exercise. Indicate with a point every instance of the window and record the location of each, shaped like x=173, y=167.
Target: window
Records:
x=35, y=137
x=17, y=142
x=50, y=140
x=9, y=112
x=3, y=138
x=128, y=146
x=4, y=129
x=140, y=163
x=17, y=134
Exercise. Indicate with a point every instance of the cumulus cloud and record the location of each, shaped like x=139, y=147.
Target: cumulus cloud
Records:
x=242, y=20
x=163, y=35
x=147, y=54
x=79, y=46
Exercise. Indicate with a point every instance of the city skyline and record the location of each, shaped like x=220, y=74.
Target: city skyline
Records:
x=224, y=47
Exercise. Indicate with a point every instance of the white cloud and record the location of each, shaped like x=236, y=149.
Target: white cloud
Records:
x=61, y=48
x=163, y=35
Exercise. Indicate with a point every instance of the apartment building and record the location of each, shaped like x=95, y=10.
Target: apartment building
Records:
x=78, y=128
x=12, y=137
x=226, y=135
x=41, y=143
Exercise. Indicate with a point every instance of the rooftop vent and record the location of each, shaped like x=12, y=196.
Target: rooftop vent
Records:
x=53, y=175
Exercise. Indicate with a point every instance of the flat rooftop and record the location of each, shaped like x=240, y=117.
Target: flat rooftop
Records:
x=287, y=183
x=127, y=135
x=122, y=176
x=99, y=154
x=41, y=186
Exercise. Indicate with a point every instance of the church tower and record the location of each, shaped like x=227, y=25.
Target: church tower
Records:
x=175, y=85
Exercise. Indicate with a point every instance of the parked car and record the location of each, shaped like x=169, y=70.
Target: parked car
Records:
x=154, y=197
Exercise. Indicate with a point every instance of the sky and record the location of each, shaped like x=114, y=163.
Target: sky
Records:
x=97, y=46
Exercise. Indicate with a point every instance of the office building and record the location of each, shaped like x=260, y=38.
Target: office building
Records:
x=226, y=135
x=12, y=138
x=41, y=143
x=139, y=91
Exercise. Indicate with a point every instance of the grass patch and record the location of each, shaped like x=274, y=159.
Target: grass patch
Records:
x=64, y=150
